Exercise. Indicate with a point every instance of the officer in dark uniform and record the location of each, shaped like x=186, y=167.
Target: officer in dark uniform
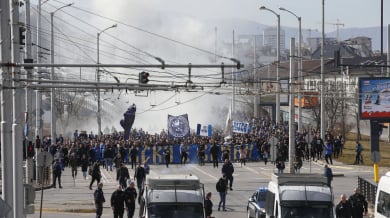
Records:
x=118, y=202
x=130, y=196
x=99, y=200
x=359, y=204
x=343, y=208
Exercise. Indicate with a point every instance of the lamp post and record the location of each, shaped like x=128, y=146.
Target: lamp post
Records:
x=322, y=100
x=299, y=69
x=277, y=64
x=53, y=111
x=99, y=115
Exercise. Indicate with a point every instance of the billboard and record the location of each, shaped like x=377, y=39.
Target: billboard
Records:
x=374, y=98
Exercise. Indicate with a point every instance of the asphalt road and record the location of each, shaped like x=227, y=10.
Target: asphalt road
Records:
x=76, y=200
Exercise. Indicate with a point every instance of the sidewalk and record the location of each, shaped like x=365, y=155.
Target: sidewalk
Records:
x=74, y=197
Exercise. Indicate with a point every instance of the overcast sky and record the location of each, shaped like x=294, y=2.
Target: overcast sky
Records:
x=352, y=13
x=184, y=21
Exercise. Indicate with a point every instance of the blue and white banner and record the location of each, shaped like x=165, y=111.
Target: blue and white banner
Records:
x=204, y=130
x=240, y=127
x=178, y=126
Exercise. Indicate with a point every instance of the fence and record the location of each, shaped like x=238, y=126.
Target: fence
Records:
x=368, y=190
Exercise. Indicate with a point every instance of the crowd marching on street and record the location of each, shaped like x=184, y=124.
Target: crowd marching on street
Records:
x=112, y=152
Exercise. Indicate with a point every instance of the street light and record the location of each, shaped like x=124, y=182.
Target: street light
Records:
x=99, y=116
x=53, y=111
x=299, y=69
x=277, y=64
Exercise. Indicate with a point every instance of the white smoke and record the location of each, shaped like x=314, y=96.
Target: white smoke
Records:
x=177, y=27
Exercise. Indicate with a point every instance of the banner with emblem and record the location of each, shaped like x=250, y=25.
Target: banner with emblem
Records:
x=178, y=126
x=240, y=127
x=204, y=130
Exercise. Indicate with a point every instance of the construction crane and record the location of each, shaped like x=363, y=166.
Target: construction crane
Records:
x=337, y=24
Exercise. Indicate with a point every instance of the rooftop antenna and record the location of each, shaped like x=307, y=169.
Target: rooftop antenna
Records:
x=337, y=24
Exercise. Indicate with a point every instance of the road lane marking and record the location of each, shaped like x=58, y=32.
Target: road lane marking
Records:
x=204, y=172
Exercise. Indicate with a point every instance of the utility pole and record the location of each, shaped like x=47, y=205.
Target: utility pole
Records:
x=299, y=68
x=6, y=108
x=291, y=134
x=99, y=110
x=17, y=135
x=277, y=103
x=233, y=84
x=28, y=95
x=322, y=101
x=255, y=85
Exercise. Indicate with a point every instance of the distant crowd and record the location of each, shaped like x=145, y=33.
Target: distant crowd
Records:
x=308, y=144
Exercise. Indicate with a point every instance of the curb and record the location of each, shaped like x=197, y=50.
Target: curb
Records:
x=70, y=210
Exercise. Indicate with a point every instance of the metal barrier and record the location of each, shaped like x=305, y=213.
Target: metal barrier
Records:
x=368, y=190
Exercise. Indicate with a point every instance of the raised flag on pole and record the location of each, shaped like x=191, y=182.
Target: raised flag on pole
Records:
x=204, y=130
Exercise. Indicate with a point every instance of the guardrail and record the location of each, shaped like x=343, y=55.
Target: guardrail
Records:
x=368, y=190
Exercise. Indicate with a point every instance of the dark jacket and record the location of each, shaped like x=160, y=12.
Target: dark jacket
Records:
x=222, y=183
x=118, y=201
x=96, y=170
x=344, y=210
x=208, y=207
x=140, y=173
x=57, y=168
x=133, y=153
x=109, y=153
x=84, y=164
x=122, y=173
x=130, y=195
x=358, y=202
x=99, y=197
x=228, y=169
x=214, y=150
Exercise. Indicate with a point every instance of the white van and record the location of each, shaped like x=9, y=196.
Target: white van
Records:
x=173, y=196
x=382, y=200
x=299, y=195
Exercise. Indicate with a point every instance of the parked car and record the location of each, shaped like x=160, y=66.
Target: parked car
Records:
x=256, y=204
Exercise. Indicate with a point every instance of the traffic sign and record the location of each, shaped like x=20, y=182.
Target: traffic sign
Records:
x=44, y=159
x=4, y=208
x=375, y=156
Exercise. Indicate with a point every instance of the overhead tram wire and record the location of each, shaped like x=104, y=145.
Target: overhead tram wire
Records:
x=142, y=52
x=79, y=29
x=161, y=103
x=152, y=55
x=113, y=37
x=151, y=33
x=91, y=35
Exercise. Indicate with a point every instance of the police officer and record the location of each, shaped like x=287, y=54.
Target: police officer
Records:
x=130, y=196
x=99, y=200
x=118, y=202
x=359, y=204
x=343, y=208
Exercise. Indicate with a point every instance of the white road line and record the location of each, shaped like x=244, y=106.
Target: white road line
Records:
x=204, y=172
x=257, y=172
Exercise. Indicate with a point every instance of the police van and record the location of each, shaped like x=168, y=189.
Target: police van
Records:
x=298, y=195
x=382, y=199
x=173, y=196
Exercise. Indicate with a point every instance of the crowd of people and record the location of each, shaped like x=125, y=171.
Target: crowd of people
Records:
x=113, y=152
